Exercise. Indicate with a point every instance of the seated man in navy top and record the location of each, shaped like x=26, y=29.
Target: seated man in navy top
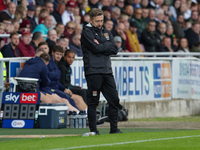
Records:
x=36, y=68
x=10, y=50
x=54, y=74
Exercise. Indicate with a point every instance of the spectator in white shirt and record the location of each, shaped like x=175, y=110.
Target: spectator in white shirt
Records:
x=68, y=14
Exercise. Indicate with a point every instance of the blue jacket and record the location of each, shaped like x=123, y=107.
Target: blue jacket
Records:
x=54, y=75
x=41, y=28
x=36, y=68
x=77, y=49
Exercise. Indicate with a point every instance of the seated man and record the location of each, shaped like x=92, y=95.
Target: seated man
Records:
x=36, y=68
x=54, y=75
x=75, y=44
x=166, y=45
x=44, y=27
x=149, y=38
x=51, y=39
x=66, y=71
x=133, y=38
x=24, y=47
x=36, y=39
x=44, y=46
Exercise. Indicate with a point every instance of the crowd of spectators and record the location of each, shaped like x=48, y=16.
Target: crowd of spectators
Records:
x=136, y=25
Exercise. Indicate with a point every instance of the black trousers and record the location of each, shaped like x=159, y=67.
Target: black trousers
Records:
x=104, y=83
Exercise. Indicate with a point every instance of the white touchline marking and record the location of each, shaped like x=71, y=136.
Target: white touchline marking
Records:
x=129, y=142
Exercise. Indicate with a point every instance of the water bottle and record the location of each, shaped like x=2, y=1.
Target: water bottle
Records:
x=84, y=119
x=71, y=119
x=1, y=118
x=76, y=118
x=80, y=119
x=89, y=134
x=36, y=124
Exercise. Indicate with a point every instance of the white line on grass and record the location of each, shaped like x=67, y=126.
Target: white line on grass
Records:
x=129, y=142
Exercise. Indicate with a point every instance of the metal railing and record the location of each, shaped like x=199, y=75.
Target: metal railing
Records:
x=156, y=54
x=8, y=35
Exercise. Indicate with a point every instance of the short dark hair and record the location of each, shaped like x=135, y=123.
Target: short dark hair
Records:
x=69, y=51
x=12, y=34
x=45, y=57
x=36, y=35
x=151, y=21
x=38, y=51
x=106, y=20
x=42, y=43
x=95, y=12
x=58, y=48
x=166, y=37
x=195, y=22
x=59, y=23
x=62, y=38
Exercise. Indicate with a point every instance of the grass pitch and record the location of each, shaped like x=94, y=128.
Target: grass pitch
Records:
x=139, y=140
x=132, y=138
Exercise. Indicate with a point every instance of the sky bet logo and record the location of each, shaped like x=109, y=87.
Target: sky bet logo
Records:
x=30, y=98
x=162, y=80
x=12, y=97
x=22, y=98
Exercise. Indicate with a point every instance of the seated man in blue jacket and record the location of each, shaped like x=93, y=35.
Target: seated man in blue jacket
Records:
x=54, y=75
x=36, y=68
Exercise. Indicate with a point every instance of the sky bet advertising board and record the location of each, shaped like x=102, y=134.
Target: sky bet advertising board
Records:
x=19, y=109
x=186, y=79
x=136, y=80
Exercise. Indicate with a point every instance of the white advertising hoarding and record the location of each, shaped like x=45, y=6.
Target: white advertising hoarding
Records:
x=136, y=80
x=186, y=79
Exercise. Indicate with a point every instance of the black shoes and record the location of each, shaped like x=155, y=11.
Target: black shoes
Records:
x=97, y=133
x=115, y=132
x=101, y=121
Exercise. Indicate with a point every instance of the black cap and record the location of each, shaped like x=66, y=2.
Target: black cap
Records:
x=180, y=14
x=31, y=7
x=104, y=8
x=133, y=24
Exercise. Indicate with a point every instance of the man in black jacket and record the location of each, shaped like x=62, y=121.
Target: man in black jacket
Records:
x=192, y=34
x=149, y=38
x=66, y=71
x=97, y=45
x=31, y=17
x=58, y=13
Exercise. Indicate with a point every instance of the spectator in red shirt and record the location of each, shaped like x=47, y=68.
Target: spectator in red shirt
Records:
x=69, y=29
x=24, y=47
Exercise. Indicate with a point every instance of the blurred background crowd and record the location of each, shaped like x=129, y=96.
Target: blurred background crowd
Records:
x=136, y=25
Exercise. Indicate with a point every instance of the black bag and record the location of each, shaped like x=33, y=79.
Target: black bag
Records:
x=27, y=87
x=122, y=113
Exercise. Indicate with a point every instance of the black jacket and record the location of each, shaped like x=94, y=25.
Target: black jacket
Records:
x=51, y=44
x=191, y=36
x=7, y=51
x=57, y=16
x=96, y=57
x=32, y=21
x=151, y=41
x=33, y=45
x=66, y=72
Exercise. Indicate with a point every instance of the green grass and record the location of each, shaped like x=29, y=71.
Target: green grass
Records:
x=179, y=119
x=63, y=143
x=4, y=131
